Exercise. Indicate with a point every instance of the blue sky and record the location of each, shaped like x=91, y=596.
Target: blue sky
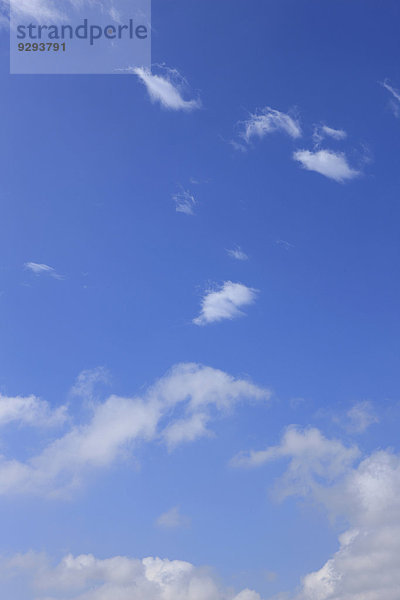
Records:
x=199, y=312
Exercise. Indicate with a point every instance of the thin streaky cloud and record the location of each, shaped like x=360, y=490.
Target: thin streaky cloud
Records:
x=323, y=131
x=42, y=269
x=225, y=302
x=395, y=93
x=185, y=202
x=331, y=164
x=284, y=244
x=268, y=120
x=167, y=89
x=395, y=100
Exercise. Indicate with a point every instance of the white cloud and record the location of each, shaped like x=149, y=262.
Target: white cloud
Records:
x=35, y=9
x=85, y=577
x=366, y=494
x=173, y=519
x=185, y=202
x=42, y=269
x=361, y=416
x=225, y=302
x=87, y=381
x=323, y=131
x=167, y=89
x=328, y=163
x=30, y=410
x=395, y=100
x=237, y=253
x=284, y=244
x=268, y=121
x=311, y=456
x=188, y=393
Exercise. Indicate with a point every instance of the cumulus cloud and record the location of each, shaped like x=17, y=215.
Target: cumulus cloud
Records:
x=323, y=131
x=42, y=269
x=328, y=163
x=395, y=98
x=86, y=577
x=237, y=253
x=29, y=410
x=363, y=491
x=185, y=202
x=225, y=302
x=165, y=412
x=167, y=89
x=268, y=121
x=311, y=456
x=173, y=519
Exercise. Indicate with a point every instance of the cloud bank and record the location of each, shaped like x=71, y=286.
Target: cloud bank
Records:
x=366, y=493
x=177, y=409
x=86, y=577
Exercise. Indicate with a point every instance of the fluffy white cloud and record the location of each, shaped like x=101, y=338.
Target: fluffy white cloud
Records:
x=366, y=493
x=30, y=410
x=173, y=519
x=88, y=578
x=268, y=121
x=225, y=302
x=167, y=89
x=328, y=163
x=311, y=455
x=42, y=269
x=238, y=254
x=185, y=202
x=188, y=394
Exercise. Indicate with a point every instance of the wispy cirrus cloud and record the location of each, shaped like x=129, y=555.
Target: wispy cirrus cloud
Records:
x=185, y=202
x=331, y=164
x=269, y=120
x=86, y=577
x=188, y=393
x=237, y=253
x=395, y=98
x=42, y=269
x=323, y=131
x=168, y=89
x=35, y=9
x=225, y=302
